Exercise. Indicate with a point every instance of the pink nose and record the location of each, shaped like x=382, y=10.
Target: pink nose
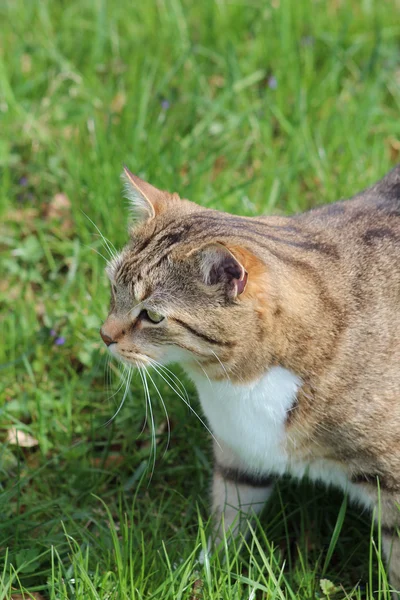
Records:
x=106, y=338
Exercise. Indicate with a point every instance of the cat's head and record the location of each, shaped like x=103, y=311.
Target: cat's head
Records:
x=184, y=289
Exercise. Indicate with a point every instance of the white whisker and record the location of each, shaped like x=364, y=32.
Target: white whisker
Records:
x=201, y=367
x=133, y=307
x=187, y=403
x=127, y=381
x=171, y=376
x=97, y=252
x=122, y=376
x=164, y=407
x=221, y=363
x=153, y=434
x=107, y=244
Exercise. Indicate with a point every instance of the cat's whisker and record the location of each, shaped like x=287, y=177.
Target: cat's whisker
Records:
x=109, y=246
x=153, y=450
x=170, y=375
x=127, y=384
x=96, y=251
x=145, y=403
x=164, y=407
x=222, y=365
x=108, y=375
x=133, y=308
x=122, y=376
x=204, y=371
x=187, y=403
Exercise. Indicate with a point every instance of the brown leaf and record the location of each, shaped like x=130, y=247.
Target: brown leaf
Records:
x=21, y=215
x=118, y=102
x=59, y=209
x=197, y=590
x=219, y=165
x=216, y=81
x=112, y=460
x=59, y=206
x=394, y=149
x=26, y=63
x=27, y=596
x=20, y=438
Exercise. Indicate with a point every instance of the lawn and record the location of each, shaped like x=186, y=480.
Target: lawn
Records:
x=252, y=107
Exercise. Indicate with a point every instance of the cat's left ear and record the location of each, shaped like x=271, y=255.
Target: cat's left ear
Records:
x=146, y=200
x=220, y=266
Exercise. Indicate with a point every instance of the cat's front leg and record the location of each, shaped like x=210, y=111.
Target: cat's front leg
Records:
x=237, y=495
x=391, y=549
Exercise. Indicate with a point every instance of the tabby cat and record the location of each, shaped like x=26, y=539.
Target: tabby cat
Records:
x=290, y=329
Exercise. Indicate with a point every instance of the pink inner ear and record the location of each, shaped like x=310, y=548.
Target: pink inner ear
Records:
x=241, y=284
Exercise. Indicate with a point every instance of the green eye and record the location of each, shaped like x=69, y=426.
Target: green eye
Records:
x=154, y=317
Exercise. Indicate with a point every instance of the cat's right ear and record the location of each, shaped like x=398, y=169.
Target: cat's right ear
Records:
x=145, y=200
x=219, y=266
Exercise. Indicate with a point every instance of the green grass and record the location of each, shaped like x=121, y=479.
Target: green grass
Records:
x=252, y=107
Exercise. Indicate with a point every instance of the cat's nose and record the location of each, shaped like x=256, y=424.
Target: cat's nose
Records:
x=106, y=338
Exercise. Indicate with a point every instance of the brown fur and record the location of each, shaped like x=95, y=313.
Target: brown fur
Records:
x=322, y=299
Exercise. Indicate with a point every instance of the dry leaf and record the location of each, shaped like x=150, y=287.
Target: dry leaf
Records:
x=219, y=165
x=118, y=102
x=20, y=438
x=112, y=460
x=58, y=206
x=394, y=149
x=26, y=63
x=197, y=590
x=216, y=81
x=27, y=596
x=60, y=209
x=21, y=215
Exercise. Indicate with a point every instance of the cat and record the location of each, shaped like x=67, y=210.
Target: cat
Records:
x=289, y=328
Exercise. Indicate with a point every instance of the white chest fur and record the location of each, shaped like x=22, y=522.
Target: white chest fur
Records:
x=250, y=419
x=249, y=423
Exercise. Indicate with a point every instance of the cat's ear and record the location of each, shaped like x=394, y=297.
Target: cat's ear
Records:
x=219, y=266
x=145, y=199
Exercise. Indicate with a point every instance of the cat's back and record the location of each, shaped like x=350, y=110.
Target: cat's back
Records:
x=374, y=213
x=365, y=232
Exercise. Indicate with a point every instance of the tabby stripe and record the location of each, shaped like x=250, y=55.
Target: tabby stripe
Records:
x=242, y=220
x=150, y=240
x=372, y=479
x=168, y=240
x=389, y=530
x=203, y=336
x=192, y=350
x=171, y=238
x=243, y=477
x=310, y=244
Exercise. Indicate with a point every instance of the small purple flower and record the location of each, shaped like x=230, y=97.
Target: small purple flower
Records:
x=23, y=181
x=165, y=104
x=59, y=341
x=53, y=332
x=307, y=40
x=272, y=82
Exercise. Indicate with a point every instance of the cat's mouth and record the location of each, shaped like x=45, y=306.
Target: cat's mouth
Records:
x=130, y=357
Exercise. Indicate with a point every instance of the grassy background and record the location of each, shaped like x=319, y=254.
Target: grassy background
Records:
x=252, y=107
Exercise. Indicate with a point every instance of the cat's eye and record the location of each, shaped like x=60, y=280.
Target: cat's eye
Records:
x=153, y=316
